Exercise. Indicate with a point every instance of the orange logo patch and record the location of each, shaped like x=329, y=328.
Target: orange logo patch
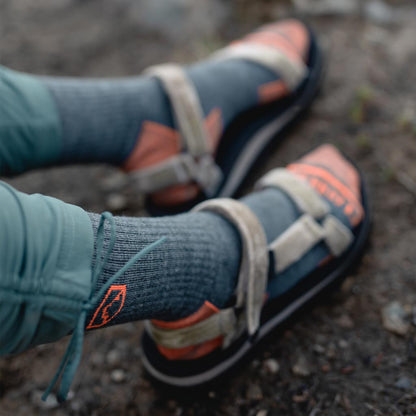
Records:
x=110, y=307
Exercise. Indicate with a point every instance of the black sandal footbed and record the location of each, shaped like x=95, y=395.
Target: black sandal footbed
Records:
x=193, y=373
x=259, y=128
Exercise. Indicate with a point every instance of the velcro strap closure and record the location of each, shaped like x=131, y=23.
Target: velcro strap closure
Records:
x=252, y=279
x=219, y=324
x=306, y=199
x=180, y=169
x=290, y=71
x=306, y=233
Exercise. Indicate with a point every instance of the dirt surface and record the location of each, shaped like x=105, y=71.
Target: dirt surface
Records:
x=339, y=359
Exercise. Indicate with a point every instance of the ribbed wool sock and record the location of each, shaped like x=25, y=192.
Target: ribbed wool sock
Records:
x=200, y=257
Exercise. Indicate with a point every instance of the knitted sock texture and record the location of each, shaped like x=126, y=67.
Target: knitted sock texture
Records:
x=198, y=261
x=200, y=258
x=102, y=119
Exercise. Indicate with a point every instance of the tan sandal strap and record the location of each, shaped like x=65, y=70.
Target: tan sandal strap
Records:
x=302, y=194
x=179, y=169
x=252, y=279
x=306, y=233
x=219, y=324
x=291, y=72
x=189, y=120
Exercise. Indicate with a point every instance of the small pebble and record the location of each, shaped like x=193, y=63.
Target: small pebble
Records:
x=326, y=368
x=347, y=370
x=319, y=349
x=404, y=383
x=394, y=318
x=331, y=352
x=343, y=344
x=116, y=202
x=254, y=392
x=344, y=321
x=271, y=365
x=113, y=357
x=118, y=375
x=301, y=367
x=50, y=403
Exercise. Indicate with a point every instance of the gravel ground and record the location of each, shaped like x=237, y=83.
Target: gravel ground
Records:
x=355, y=353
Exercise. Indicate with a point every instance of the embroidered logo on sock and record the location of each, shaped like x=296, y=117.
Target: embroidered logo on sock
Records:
x=110, y=307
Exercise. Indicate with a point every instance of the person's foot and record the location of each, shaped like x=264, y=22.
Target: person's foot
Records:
x=301, y=231
x=225, y=111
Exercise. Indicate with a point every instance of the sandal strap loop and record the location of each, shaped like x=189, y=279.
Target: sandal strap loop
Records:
x=290, y=71
x=306, y=199
x=219, y=324
x=306, y=233
x=252, y=279
x=179, y=169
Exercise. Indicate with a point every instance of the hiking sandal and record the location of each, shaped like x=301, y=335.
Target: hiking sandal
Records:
x=201, y=347
x=211, y=163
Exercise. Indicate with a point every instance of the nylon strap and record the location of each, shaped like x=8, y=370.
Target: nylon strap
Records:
x=252, y=279
x=189, y=120
x=302, y=194
x=220, y=324
x=305, y=234
x=179, y=169
x=290, y=71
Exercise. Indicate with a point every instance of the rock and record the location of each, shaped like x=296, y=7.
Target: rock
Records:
x=118, y=375
x=343, y=344
x=113, y=182
x=394, y=318
x=328, y=7
x=50, y=403
x=301, y=367
x=348, y=369
x=262, y=413
x=116, y=202
x=271, y=365
x=404, y=383
x=319, y=349
x=331, y=351
x=379, y=12
x=344, y=321
x=254, y=392
x=113, y=357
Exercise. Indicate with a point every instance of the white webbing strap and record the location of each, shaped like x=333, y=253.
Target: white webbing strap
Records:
x=306, y=233
x=252, y=279
x=189, y=120
x=290, y=71
x=338, y=237
x=189, y=117
x=251, y=286
x=219, y=324
x=302, y=194
x=295, y=242
x=179, y=169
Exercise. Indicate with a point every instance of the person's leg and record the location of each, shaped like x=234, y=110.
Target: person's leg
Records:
x=47, y=289
x=130, y=122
